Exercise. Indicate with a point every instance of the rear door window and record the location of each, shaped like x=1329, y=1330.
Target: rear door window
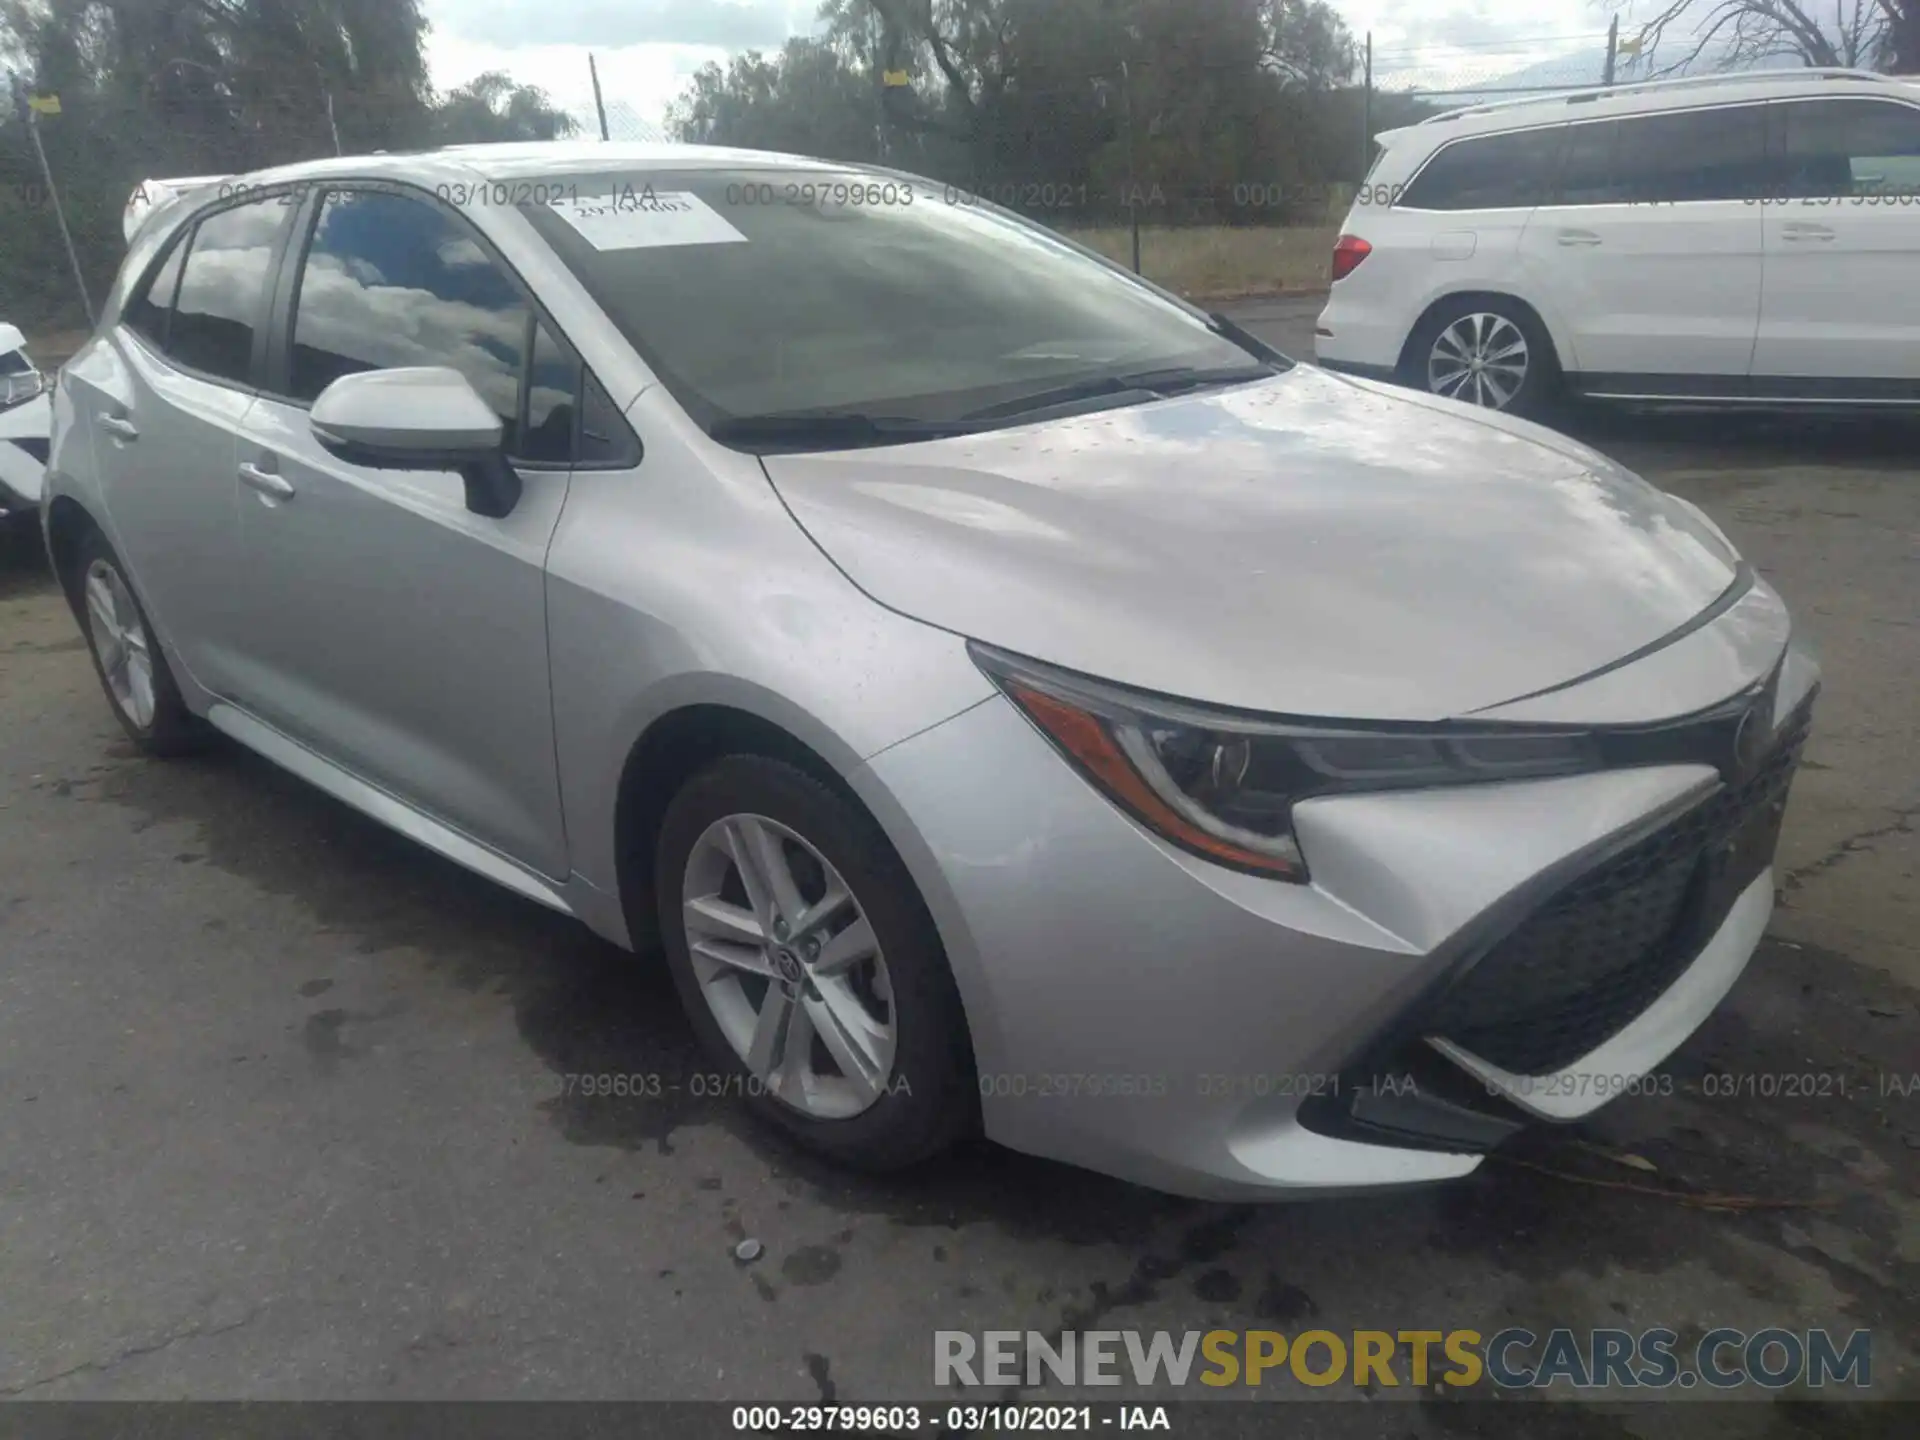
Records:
x=1690, y=156
x=1588, y=175
x=223, y=289
x=149, y=312
x=1489, y=172
x=1693, y=155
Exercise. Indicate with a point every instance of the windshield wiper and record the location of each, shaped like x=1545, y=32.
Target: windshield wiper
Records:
x=850, y=429
x=841, y=430
x=1146, y=384
x=1178, y=379
x=1248, y=341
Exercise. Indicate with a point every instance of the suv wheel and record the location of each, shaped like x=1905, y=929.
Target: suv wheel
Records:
x=131, y=666
x=1484, y=352
x=809, y=967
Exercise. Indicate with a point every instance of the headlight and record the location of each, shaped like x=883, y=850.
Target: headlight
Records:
x=1224, y=785
x=20, y=388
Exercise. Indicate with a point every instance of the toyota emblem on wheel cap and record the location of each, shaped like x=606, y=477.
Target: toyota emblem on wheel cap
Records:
x=788, y=964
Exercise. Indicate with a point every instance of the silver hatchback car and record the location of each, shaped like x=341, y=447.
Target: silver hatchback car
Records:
x=1014, y=699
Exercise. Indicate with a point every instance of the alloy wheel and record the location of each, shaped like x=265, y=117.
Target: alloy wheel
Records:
x=120, y=642
x=1480, y=358
x=789, y=964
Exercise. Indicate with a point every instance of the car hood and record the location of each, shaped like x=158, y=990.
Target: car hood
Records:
x=1306, y=545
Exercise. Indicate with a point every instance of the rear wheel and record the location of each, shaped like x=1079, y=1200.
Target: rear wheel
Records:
x=1484, y=351
x=132, y=669
x=809, y=967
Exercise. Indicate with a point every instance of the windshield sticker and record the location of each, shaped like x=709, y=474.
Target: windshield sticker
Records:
x=632, y=219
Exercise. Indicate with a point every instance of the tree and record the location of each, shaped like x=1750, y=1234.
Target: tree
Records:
x=1187, y=102
x=1879, y=33
x=492, y=108
x=154, y=88
x=1306, y=44
x=805, y=98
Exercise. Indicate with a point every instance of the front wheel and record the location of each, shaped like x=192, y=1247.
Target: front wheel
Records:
x=809, y=966
x=1487, y=352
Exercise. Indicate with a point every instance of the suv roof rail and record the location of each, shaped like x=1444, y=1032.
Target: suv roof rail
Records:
x=1582, y=94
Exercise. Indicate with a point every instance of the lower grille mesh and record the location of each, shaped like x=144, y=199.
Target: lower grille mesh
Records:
x=1605, y=948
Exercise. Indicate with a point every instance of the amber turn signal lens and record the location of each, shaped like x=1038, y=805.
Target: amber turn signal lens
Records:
x=1087, y=741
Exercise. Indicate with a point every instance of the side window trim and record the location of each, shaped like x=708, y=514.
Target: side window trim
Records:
x=182, y=244
x=276, y=266
x=523, y=402
x=628, y=451
x=276, y=369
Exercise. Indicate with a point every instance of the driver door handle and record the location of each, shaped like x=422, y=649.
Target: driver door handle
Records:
x=119, y=427
x=1578, y=237
x=266, y=482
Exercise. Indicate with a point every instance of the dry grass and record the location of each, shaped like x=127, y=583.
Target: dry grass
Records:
x=51, y=349
x=1221, y=260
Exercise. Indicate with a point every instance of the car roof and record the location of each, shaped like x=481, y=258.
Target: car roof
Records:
x=1640, y=97
x=552, y=157
x=458, y=165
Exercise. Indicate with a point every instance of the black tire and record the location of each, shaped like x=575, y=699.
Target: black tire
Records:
x=932, y=1098
x=1539, y=392
x=174, y=729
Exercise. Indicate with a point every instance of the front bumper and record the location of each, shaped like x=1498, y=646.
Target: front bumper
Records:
x=1141, y=1012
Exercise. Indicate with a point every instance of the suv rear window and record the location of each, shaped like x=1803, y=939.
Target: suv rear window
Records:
x=1488, y=172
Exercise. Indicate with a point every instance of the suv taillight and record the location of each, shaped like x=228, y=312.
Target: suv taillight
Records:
x=1348, y=252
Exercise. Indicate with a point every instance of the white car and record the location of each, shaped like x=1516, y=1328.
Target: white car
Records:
x=26, y=417
x=1734, y=239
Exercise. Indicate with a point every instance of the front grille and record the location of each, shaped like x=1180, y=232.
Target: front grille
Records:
x=1587, y=963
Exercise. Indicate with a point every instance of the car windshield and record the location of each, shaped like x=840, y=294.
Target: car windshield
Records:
x=779, y=298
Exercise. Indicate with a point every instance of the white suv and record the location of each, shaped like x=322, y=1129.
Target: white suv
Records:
x=1739, y=239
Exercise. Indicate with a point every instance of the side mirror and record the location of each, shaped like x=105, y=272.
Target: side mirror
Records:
x=425, y=418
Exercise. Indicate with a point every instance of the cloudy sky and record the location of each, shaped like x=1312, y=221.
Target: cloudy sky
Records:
x=647, y=48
